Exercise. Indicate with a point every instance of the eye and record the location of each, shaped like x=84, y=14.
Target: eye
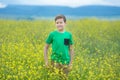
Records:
x=57, y=22
x=61, y=22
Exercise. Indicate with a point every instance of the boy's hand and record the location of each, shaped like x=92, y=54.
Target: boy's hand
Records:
x=70, y=66
x=46, y=65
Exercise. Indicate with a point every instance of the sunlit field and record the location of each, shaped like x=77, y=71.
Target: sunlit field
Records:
x=96, y=45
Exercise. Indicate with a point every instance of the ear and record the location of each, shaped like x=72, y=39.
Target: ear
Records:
x=65, y=23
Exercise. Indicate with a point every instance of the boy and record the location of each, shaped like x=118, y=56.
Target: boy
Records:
x=62, y=50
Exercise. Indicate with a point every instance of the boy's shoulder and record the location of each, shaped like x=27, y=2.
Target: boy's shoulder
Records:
x=67, y=32
x=53, y=32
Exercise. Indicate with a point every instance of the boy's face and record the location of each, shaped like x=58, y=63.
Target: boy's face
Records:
x=60, y=24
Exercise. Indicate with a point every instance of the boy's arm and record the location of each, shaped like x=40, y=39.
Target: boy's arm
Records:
x=71, y=55
x=46, y=54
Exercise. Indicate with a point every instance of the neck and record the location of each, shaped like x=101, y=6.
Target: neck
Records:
x=61, y=31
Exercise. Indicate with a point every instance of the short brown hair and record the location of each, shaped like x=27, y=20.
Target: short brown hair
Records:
x=60, y=16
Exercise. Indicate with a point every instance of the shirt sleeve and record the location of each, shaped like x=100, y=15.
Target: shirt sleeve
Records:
x=71, y=40
x=49, y=39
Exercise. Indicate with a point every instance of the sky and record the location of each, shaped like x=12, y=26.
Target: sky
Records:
x=69, y=3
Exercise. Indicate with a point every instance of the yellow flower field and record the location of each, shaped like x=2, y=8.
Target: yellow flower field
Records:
x=96, y=45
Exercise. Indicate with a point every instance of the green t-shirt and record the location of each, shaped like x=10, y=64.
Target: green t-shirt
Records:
x=60, y=46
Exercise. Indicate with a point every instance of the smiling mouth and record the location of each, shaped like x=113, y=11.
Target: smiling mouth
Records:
x=59, y=26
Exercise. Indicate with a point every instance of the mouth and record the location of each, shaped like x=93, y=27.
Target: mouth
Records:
x=59, y=26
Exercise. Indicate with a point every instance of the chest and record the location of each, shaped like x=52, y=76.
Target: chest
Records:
x=61, y=39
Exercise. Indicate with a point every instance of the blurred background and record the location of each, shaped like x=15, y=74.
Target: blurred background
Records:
x=47, y=9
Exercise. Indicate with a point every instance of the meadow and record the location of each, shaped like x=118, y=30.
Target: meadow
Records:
x=96, y=45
